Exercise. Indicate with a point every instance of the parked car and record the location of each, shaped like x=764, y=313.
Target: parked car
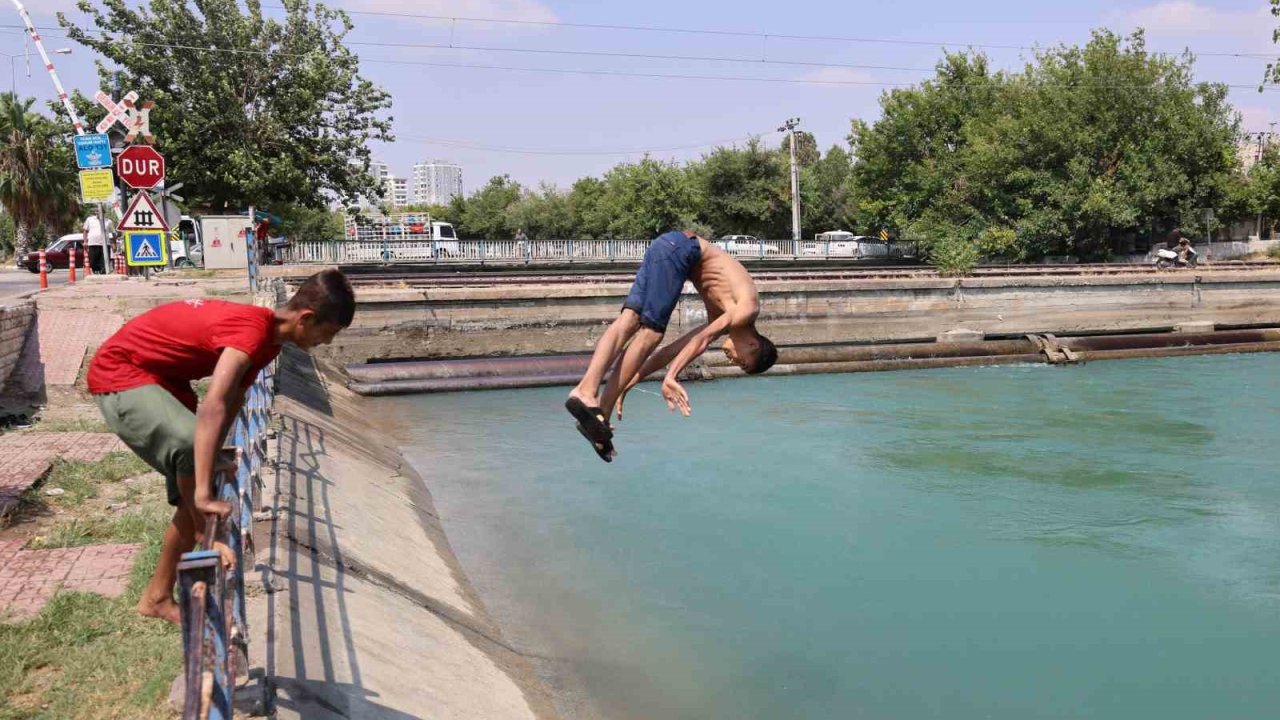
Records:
x=184, y=259
x=749, y=245
x=840, y=243
x=57, y=255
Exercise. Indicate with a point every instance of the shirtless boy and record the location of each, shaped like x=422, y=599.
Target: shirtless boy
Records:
x=732, y=306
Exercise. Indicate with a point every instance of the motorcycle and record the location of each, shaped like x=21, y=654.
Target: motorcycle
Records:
x=1165, y=259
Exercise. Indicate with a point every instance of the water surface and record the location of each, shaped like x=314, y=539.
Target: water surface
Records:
x=1006, y=542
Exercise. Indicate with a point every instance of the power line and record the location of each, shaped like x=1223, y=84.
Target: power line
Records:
x=610, y=73
x=726, y=33
x=644, y=56
x=531, y=151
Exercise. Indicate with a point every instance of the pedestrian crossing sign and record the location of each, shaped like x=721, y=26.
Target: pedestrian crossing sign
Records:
x=145, y=248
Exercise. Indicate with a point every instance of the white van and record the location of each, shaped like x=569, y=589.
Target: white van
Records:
x=838, y=243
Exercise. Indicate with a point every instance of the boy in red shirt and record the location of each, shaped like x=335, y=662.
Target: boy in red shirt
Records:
x=141, y=378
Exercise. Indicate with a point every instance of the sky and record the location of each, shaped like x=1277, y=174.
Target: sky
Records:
x=556, y=127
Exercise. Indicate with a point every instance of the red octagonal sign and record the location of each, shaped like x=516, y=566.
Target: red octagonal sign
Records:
x=140, y=167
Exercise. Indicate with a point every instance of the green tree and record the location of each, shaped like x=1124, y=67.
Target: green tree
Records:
x=911, y=163
x=545, y=214
x=486, y=215
x=744, y=190
x=645, y=198
x=587, y=216
x=1084, y=147
x=825, y=198
x=37, y=180
x=248, y=109
x=299, y=222
x=1263, y=185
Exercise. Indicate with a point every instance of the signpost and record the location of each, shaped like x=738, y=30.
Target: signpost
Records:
x=93, y=152
x=96, y=185
x=142, y=214
x=145, y=248
x=146, y=233
x=141, y=167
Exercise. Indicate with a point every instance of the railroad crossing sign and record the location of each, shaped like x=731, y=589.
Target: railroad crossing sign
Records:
x=145, y=248
x=93, y=151
x=143, y=215
x=96, y=185
x=141, y=167
x=136, y=120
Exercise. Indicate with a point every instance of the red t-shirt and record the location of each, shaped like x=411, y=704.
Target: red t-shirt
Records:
x=176, y=343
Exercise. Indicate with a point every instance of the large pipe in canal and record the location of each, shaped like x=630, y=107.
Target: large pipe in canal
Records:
x=541, y=371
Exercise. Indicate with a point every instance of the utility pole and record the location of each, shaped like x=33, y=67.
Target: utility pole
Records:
x=789, y=127
x=1257, y=158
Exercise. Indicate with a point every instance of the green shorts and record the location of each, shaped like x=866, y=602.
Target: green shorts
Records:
x=156, y=426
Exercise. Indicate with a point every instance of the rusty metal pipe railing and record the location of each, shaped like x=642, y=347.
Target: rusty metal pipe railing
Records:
x=211, y=596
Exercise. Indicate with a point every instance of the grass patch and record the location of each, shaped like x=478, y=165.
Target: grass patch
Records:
x=78, y=425
x=80, y=479
x=86, y=656
x=138, y=526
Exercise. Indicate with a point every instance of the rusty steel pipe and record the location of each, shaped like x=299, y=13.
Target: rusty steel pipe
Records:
x=470, y=368
x=1129, y=342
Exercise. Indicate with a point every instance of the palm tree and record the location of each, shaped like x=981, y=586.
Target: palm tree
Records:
x=37, y=175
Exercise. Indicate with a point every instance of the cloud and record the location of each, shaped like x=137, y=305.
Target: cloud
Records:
x=1183, y=20
x=522, y=10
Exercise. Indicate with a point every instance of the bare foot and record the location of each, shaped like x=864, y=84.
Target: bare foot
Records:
x=228, y=555
x=588, y=400
x=165, y=609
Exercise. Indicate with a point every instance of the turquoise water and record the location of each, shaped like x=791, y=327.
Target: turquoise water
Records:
x=1013, y=542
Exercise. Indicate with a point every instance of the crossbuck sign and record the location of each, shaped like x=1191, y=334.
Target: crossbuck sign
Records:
x=137, y=120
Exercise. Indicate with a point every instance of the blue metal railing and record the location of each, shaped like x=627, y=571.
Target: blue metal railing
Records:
x=215, y=632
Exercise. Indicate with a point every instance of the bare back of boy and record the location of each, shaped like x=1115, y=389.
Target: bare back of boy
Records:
x=724, y=285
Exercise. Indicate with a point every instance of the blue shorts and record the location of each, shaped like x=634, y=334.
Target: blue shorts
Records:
x=666, y=266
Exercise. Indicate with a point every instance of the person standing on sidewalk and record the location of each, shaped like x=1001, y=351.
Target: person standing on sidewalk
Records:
x=95, y=239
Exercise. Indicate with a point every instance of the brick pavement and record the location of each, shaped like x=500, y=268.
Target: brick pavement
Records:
x=26, y=456
x=61, y=339
x=28, y=578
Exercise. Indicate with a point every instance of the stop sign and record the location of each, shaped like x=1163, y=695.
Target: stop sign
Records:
x=140, y=166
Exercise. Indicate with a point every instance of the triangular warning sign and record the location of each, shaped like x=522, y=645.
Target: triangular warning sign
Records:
x=145, y=251
x=143, y=215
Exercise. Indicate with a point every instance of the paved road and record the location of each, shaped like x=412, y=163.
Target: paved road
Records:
x=15, y=282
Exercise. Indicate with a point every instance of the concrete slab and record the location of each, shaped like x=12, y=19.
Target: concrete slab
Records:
x=367, y=613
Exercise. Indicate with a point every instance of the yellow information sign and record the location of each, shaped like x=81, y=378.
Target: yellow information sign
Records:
x=96, y=185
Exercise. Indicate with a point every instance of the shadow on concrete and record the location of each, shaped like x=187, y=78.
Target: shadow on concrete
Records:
x=325, y=680
x=302, y=381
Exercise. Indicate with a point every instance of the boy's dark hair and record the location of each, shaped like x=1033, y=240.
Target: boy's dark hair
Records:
x=766, y=356
x=328, y=295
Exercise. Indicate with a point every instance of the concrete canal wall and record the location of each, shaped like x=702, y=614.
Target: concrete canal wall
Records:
x=568, y=316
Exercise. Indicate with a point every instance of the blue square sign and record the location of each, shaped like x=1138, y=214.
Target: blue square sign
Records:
x=93, y=151
x=145, y=248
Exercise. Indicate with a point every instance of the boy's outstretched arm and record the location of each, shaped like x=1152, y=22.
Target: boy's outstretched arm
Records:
x=656, y=362
x=672, y=391
x=213, y=419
